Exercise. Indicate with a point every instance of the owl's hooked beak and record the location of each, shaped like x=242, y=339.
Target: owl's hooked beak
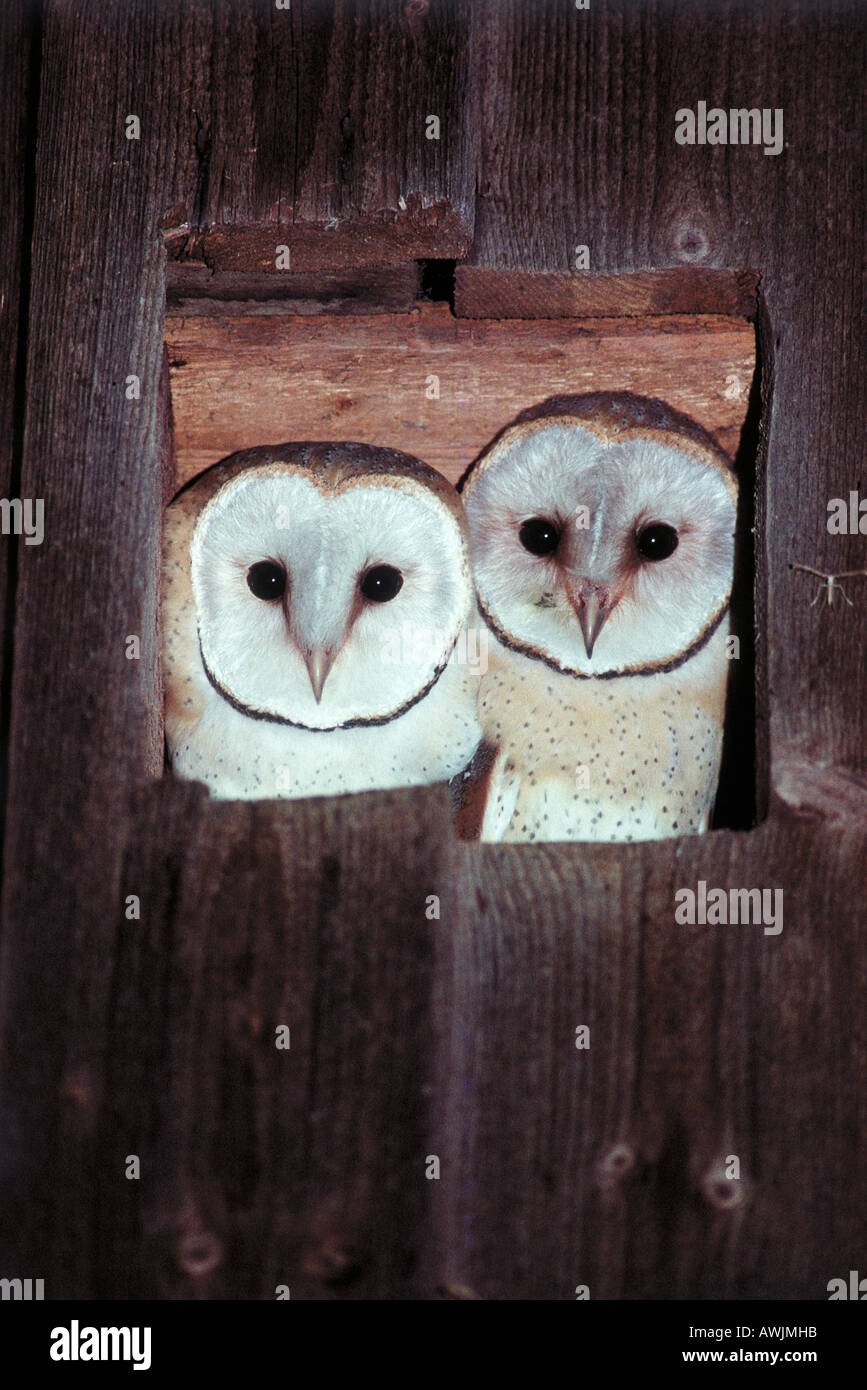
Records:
x=593, y=605
x=318, y=661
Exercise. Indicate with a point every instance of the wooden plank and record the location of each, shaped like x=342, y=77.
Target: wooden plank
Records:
x=311, y=131
x=605, y=1165
x=265, y=1166
x=578, y=148
x=85, y=719
x=18, y=39
x=193, y=289
x=237, y=382
x=510, y=294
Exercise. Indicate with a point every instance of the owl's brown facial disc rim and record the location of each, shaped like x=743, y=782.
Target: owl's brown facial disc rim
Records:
x=655, y=668
x=366, y=722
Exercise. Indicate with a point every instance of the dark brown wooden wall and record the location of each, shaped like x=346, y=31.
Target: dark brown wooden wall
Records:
x=409, y=1037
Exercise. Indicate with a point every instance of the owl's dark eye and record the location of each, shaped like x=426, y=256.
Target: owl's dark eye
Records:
x=539, y=535
x=656, y=541
x=266, y=580
x=381, y=583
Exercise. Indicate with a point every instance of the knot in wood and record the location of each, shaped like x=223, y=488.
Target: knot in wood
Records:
x=615, y=1164
x=415, y=12
x=722, y=1192
x=690, y=240
x=199, y=1252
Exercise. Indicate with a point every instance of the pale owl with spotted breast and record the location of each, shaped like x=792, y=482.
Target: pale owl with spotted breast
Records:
x=314, y=596
x=602, y=541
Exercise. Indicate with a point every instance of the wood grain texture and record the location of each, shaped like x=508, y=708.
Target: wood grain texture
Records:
x=19, y=65
x=85, y=720
x=606, y=1165
x=263, y=1165
x=414, y=1037
x=516, y=294
x=310, y=130
x=193, y=289
x=238, y=382
x=591, y=159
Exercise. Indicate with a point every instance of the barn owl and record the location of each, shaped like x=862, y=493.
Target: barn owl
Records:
x=602, y=540
x=314, y=597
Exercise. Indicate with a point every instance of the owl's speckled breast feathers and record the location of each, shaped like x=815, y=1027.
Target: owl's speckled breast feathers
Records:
x=630, y=760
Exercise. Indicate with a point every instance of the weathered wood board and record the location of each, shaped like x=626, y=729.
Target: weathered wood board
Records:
x=237, y=382
x=520, y=294
x=309, y=128
x=17, y=138
x=193, y=289
x=153, y=1034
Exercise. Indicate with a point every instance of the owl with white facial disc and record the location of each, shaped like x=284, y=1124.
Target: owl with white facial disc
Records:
x=602, y=541
x=313, y=598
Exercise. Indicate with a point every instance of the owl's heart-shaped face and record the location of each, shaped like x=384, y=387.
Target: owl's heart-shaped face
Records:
x=599, y=545
x=329, y=599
